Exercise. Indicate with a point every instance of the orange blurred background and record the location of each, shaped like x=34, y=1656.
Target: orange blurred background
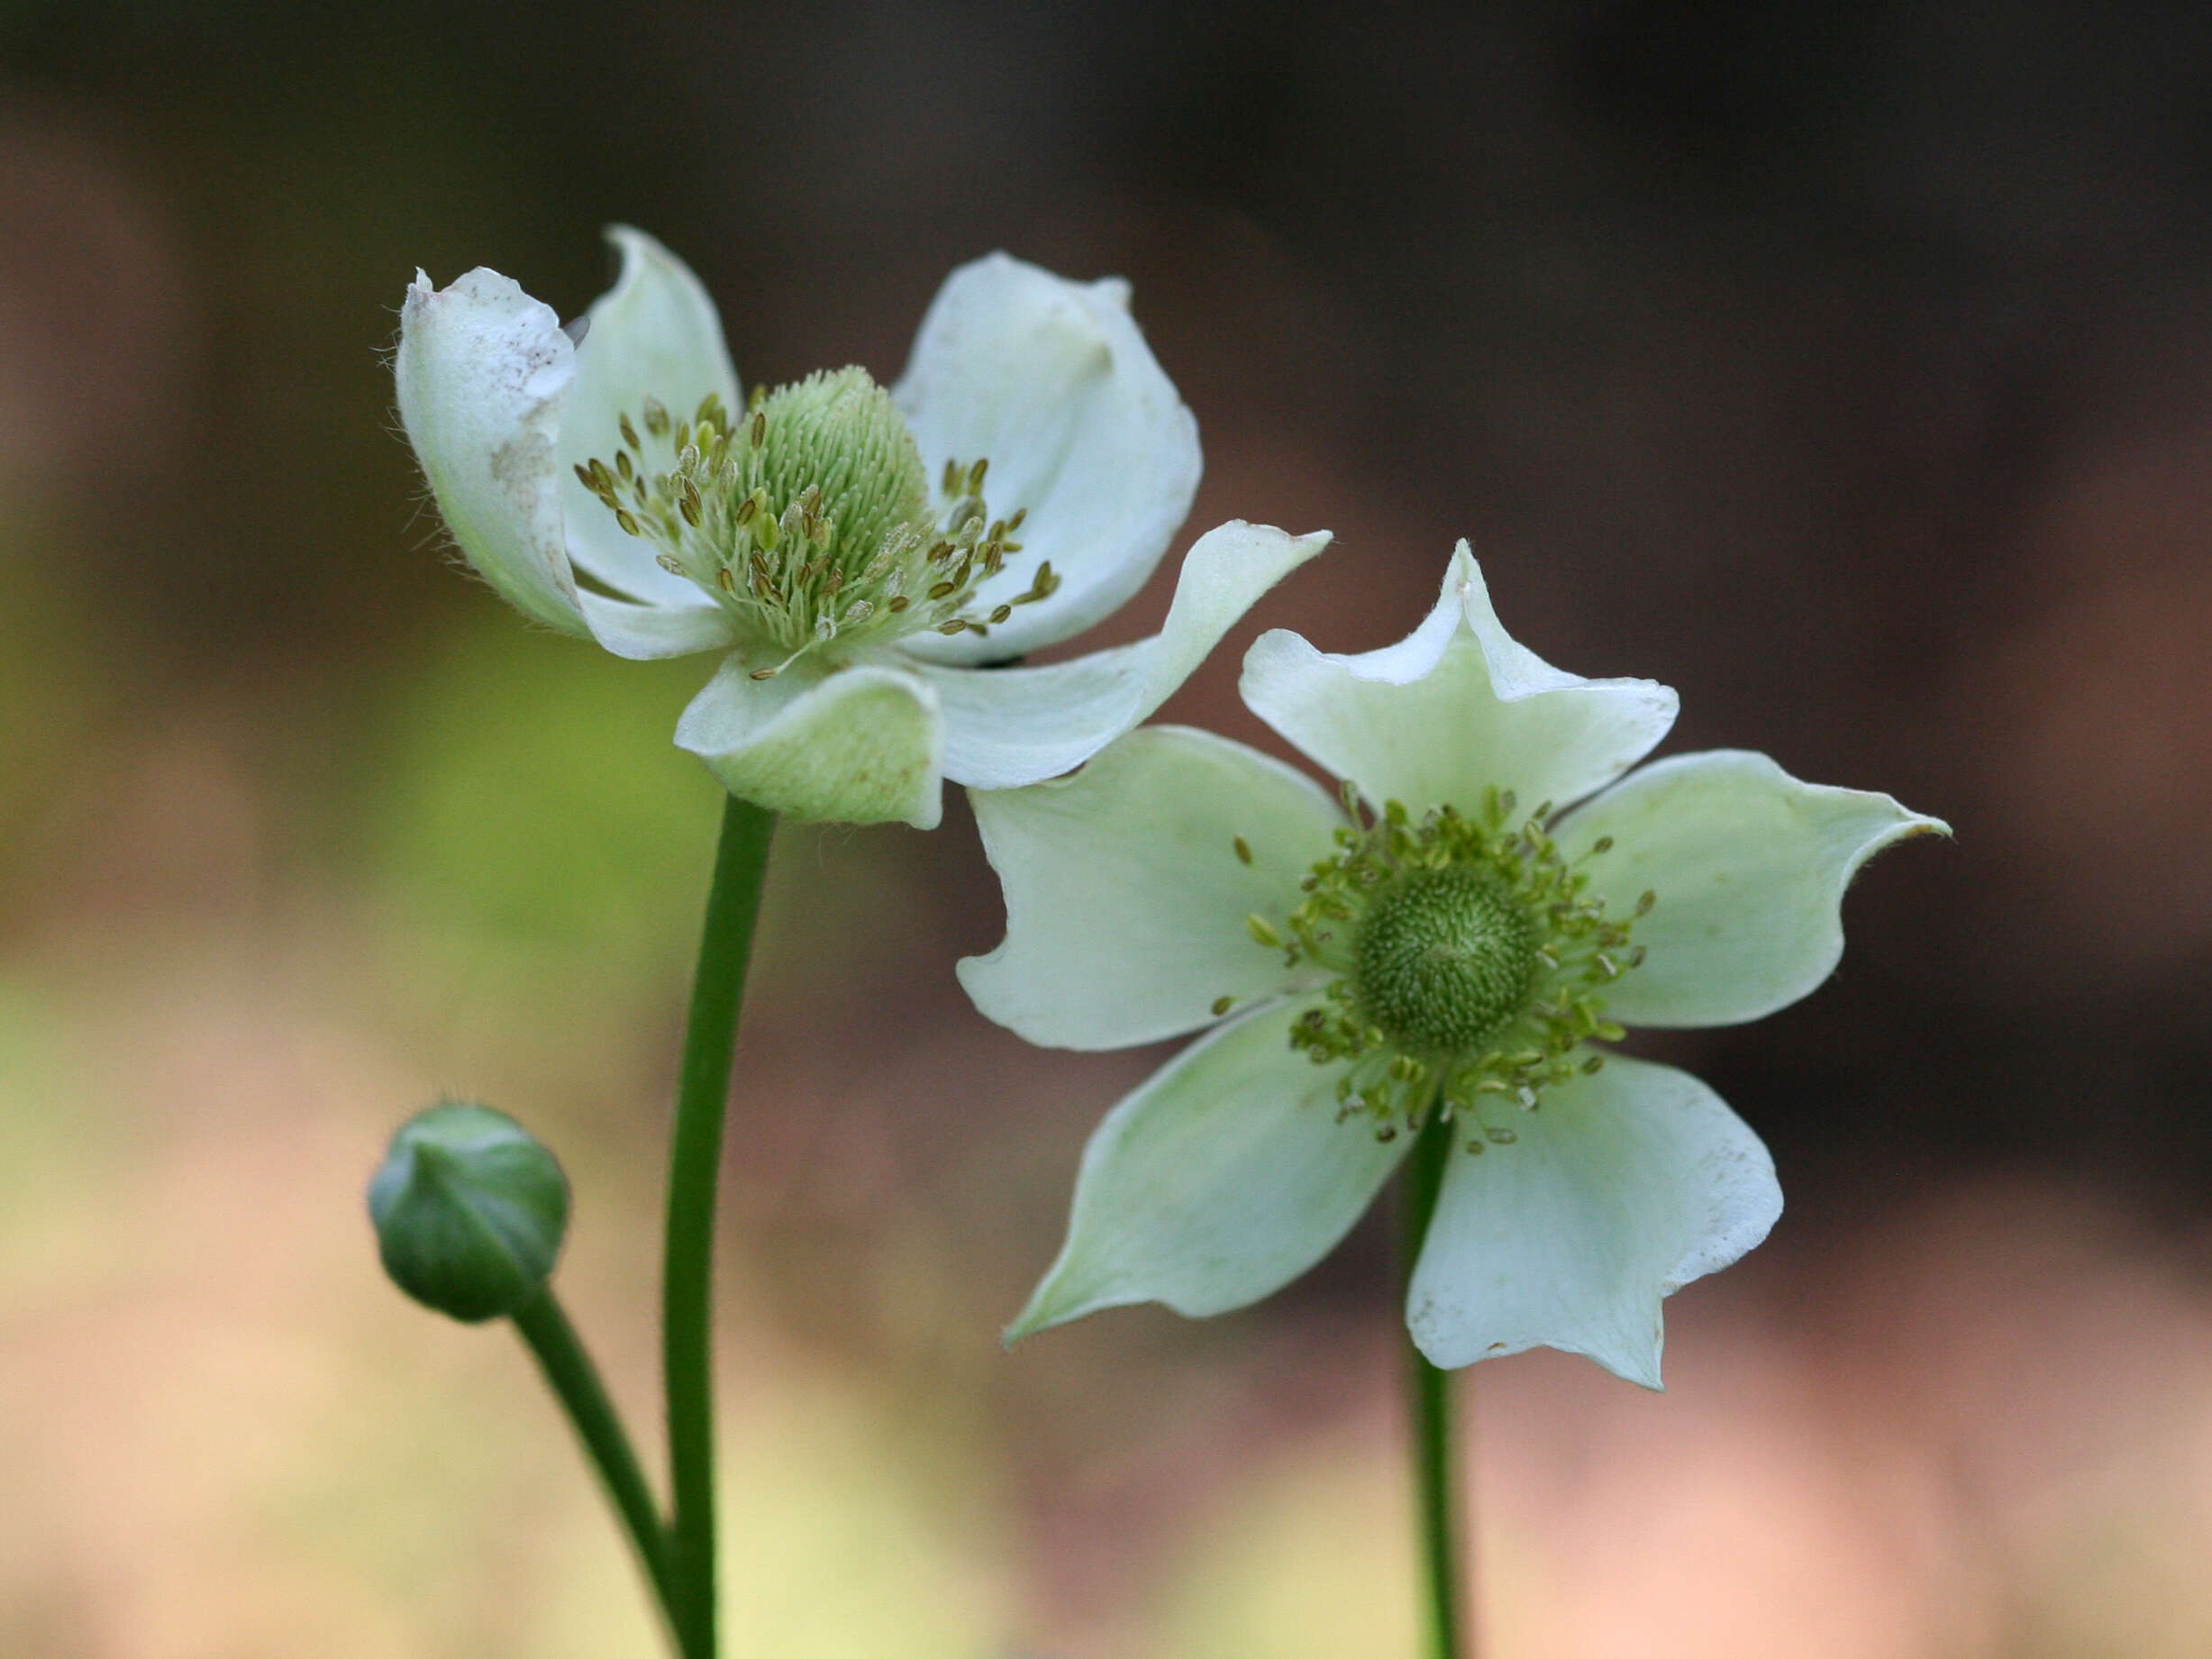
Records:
x=1848, y=369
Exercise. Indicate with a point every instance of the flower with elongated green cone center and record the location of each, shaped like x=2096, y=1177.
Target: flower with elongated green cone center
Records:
x=811, y=518
x=1467, y=962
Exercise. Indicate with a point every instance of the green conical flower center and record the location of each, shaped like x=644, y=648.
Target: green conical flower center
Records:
x=810, y=518
x=840, y=435
x=1440, y=960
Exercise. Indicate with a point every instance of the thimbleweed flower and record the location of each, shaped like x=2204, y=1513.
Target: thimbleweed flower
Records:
x=859, y=554
x=1452, y=936
x=470, y=1210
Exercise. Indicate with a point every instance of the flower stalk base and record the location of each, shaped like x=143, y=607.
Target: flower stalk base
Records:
x=694, y=1167
x=574, y=1380
x=1432, y=1441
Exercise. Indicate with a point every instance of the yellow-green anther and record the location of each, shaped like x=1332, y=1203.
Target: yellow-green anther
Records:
x=819, y=528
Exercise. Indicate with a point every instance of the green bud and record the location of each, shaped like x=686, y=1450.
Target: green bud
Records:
x=470, y=1210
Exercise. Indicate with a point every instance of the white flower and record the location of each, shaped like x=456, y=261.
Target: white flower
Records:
x=1442, y=949
x=833, y=539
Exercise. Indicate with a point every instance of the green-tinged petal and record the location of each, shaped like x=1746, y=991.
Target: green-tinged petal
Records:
x=1006, y=727
x=1621, y=1189
x=1126, y=893
x=1051, y=382
x=1220, y=1180
x=1748, y=867
x=853, y=745
x=643, y=632
x=483, y=371
x=654, y=334
x=1455, y=708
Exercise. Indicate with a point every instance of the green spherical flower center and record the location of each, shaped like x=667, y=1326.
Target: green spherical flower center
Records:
x=1463, y=959
x=810, y=518
x=1441, y=960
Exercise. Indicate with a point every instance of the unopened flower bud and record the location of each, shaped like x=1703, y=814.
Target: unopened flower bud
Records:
x=470, y=1210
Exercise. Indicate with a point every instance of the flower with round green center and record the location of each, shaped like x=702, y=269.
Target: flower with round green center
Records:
x=1419, y=946
x=1469, y=959
x=1440, y=960
x=860, y=556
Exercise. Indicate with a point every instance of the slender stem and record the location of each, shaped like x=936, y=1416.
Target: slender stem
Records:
x=694, y=1167
x=1430, y=1393
x=575, y=1383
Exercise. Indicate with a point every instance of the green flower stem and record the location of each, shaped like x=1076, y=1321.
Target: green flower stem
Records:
x=575, y=1383
x=695, y=1166
x=1430, y=1399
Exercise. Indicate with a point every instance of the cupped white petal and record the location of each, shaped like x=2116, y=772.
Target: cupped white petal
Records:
x=1455, y=708
x=643, y=632
x=1127, y=893
x=853, y=745
x=1220, y=1180
x=1621, y=1189
x=654, y=334
x=483, y=372
x=1051, y=382
x=1010, y=727
x=1748, y=866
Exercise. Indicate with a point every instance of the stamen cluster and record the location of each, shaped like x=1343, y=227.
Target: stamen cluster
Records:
x=1467, y=960
x=810, y=519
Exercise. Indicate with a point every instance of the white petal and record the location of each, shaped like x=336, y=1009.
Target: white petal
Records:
x=1622, y=1187
x=1219, y=1181
x=654, y=334
x=1005, y=727
x=1126, y=894
x=1454, y=708
x=1051, y=382
x=483, y=371
x=852, y=745
x=1749, y=866
x=649, y=631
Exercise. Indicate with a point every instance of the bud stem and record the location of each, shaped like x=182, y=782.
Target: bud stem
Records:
x=1430, y=1396
x=575, y=1383
x=694, y=1167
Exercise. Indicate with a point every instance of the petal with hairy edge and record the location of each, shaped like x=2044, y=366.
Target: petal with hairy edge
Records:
x=1006, y=727
x=1749, y=867
x=654, y=334
x=1622, y=1187
x=1126, y=892
x=1216, y=1183
x=1051, y=382
x=1455, y=708
x=853, y=745
x=483, y=371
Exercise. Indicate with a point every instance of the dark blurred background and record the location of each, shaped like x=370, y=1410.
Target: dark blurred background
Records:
x=1849, y=368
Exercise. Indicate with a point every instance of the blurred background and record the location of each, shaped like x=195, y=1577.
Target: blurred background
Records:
x=1849, y=368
